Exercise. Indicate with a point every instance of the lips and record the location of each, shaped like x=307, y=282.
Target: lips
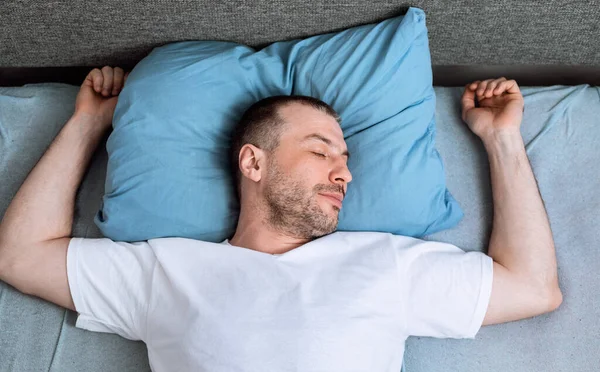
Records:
x=335, y=198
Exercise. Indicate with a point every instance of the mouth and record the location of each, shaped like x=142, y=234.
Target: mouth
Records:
x=335, y=199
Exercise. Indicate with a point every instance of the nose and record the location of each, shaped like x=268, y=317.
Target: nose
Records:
x=340, y=174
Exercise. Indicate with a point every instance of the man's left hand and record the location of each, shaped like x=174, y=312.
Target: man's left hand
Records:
x=99, y=92
x=500, y=108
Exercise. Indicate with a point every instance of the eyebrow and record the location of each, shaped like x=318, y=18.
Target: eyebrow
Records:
x=318, y=137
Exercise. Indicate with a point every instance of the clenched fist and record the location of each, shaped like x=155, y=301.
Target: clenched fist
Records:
x=99, y=93
x=500, y=110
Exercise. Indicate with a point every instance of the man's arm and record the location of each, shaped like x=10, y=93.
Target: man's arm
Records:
x=525, y=282
x=35, y=230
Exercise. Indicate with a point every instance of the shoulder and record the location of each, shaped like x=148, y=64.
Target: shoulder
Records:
x=182, y=242
x=406, y=245
x=374, y=238
x=179, y=250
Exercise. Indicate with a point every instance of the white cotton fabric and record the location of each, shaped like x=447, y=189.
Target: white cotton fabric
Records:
x=343, y=302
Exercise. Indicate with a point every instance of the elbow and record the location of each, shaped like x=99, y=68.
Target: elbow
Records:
x=553, y=298
x=3, y=261
x=10, y=269
x=556, y=299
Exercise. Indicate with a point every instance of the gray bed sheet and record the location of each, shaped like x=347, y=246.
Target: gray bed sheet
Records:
x=561, y=127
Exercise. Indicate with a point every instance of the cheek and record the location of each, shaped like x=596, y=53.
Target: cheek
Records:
x=313, y=173
x=295, y=175
x=307, y=171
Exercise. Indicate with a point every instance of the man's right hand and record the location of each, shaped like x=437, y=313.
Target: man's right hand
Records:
x=98, y=94
x=500, y=108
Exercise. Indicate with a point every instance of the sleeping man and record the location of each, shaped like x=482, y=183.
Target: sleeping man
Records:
x=286, y=292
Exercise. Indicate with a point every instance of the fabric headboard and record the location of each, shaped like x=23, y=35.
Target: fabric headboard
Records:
x=558, y=37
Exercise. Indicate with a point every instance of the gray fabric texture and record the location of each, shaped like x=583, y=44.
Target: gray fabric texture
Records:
x=561, y=127
x=36, y=335
x=111, y=32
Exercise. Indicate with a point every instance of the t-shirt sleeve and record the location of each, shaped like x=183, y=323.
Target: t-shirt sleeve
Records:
x=446, y=290
x=110, y=283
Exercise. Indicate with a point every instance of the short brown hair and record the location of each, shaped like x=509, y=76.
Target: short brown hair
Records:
x=262, y=126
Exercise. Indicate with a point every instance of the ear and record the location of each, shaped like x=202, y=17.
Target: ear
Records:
x=251, y=162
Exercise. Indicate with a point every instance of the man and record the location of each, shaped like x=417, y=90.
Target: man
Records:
x=286, y=292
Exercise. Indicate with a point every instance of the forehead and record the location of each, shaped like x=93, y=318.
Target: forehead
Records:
x=303, y=120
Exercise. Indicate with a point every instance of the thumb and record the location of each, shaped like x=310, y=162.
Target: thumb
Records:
x=467, y=101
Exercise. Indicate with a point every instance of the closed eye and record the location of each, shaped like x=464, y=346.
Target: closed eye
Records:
x=319, y=154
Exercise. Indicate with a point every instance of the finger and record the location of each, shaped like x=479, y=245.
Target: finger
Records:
x=498, y=87
x=467, y=100
x=505, y=86
x=107, y=71
x=117, y=80
x=125, y=78
x=482, y=86
x=512, y=87
x=96, y=78
x=474, y=84
x=489, y=91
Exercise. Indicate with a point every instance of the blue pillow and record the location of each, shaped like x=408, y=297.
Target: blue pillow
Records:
x=168, y=171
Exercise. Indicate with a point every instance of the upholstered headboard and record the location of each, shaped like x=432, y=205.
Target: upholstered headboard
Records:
x=543, y=42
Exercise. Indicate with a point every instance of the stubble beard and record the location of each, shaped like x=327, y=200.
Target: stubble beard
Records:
x=292, y=210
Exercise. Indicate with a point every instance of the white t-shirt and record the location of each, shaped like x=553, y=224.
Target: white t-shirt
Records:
x=344, y=302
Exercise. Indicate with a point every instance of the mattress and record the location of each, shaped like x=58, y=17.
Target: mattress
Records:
x=561, y=128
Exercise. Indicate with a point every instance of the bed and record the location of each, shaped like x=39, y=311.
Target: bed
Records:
x=48, y=47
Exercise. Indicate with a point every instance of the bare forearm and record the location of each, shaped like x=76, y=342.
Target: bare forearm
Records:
x=521, y=237
x=43, y=207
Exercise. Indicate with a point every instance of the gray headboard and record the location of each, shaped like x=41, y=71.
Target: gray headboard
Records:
x=491, y=36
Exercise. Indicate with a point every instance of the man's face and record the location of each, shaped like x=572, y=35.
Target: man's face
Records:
x=307, y=175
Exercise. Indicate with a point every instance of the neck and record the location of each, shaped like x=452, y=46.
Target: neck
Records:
x=255, y=232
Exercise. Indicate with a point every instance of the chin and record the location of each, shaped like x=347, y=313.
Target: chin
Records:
x=335, y=216
x=329, y=208
x=332, y=213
